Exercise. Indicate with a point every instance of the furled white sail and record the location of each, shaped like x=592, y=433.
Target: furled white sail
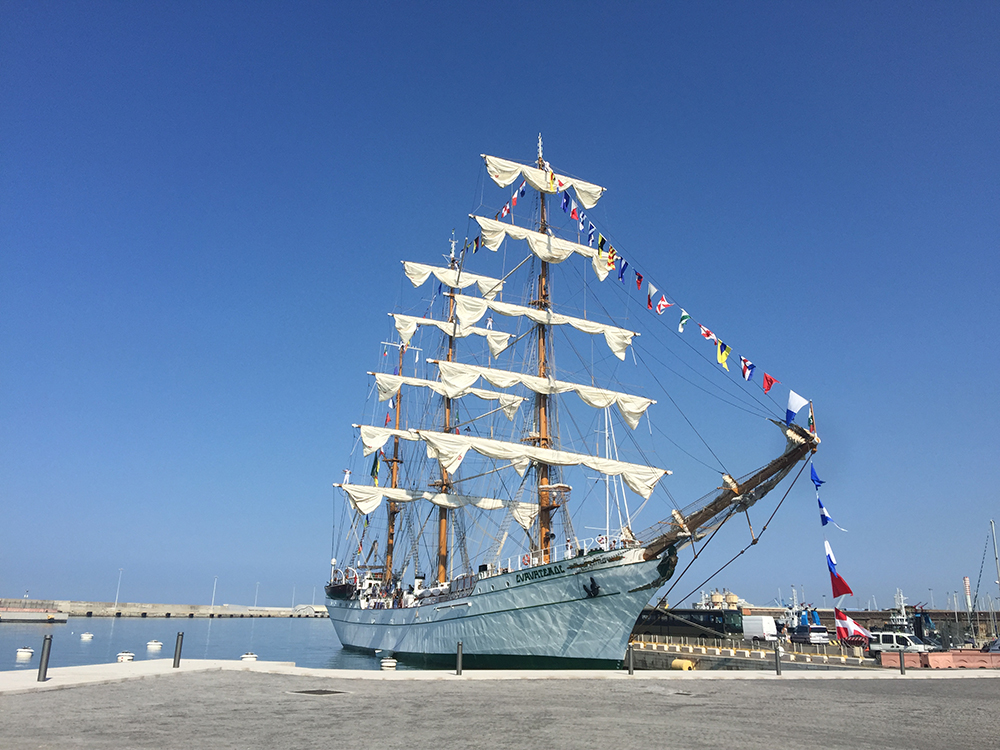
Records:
x=366, y=498
x=471, y=309
x=406, y=325
x=455, y=278
x=388, y=386
x=545, y=246
x=504, y=172
x=373, y=438
x=458, y=378
x=450, y=450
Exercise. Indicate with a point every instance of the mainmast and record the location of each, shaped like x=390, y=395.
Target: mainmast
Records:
x=442, y=565
x=541, y=399
x=390, y=540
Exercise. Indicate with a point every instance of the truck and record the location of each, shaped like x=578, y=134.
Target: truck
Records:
x=758, y=628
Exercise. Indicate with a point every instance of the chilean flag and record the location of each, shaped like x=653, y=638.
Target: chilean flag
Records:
x=840, y=587
x=847, y=628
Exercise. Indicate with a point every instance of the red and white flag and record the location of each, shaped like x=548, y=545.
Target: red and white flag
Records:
x=847, y=628
x=573, y=213
x=505, y=210
x=650, y=291
x=663, y=305
x=707, y=333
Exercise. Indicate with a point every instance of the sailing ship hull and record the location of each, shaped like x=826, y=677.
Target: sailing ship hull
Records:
x=517, y=618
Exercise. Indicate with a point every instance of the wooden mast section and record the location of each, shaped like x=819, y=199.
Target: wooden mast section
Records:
x=442, y=556
x=542, y=400
x=395, y=461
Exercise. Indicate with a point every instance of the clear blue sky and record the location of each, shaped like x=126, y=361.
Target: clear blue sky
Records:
x=202, y=209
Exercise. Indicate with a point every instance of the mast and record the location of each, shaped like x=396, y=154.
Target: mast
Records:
x=542, y=400
x=442, y=556
x=390, y=540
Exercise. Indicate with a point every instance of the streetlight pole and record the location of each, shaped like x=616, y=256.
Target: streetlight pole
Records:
x=932, y=597
x=118, y=590
x=213, y=593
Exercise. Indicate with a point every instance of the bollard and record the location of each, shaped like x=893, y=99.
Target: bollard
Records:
x=43, y=664
x=631, y=661
x=177, y=649
x=458, y=659
x=777, y=658
x=902, y=662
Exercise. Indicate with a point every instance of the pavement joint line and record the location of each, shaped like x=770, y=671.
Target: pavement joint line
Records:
x=60, y=678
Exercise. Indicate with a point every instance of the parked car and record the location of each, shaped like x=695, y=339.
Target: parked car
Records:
x=993, y=647
x=814, y=634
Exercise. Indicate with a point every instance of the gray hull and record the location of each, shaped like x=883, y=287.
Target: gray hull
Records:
x=542, y=612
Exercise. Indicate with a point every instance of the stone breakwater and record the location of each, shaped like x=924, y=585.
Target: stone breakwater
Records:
x=137, y=609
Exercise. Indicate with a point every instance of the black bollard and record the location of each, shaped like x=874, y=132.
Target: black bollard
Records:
x=458, y=659
x=43, y=665
x=631, y=660
x=902, y=662
x=777, y=658
x=177, y=649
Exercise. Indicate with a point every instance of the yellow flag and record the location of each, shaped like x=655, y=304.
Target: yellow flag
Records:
x=722, y=353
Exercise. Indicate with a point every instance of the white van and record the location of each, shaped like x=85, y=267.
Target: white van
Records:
x=759, y=628
x=893, y=641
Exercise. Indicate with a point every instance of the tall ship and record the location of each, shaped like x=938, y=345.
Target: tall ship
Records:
x=489, y=499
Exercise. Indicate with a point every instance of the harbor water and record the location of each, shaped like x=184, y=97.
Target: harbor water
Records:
x=309, y=642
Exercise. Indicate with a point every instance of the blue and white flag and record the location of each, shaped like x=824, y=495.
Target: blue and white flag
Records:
x=795, y=402
x=583, y=218
x=621, y=272
x=816, y=480
x=565, y=203
x=824, y=516
x=590, y=233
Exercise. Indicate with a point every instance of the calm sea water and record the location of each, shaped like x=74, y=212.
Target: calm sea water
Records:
x=309, y=642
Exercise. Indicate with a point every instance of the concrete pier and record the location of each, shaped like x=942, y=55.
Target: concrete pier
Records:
x=266, y=705
x=66, y=607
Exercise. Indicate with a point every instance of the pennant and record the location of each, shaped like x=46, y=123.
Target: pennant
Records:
x=747, y=368
x=375, y=464
x=475, y=245
x=707, y=334
x=582, y=223
x=840, y=587
x=600, y=240
x=638, y=282
x=768, y=382
x=573, y=213
x=565, y=202
x=662, y=305
x=385, y=425
x=815, y=479
x=847, y=628
x=505, y=211
x=590, y=234
x=650, y=291
x=812, y=419
x=520, y=190
x=795, y=402
x=621, y=273
x=722, y=353
x=513, y=199
x=395, y=371
x=552, y=182
x=392, y=400
x=612, y=257
x=824, y=515
x=684, y=319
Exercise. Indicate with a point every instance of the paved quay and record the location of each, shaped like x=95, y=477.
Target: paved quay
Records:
x=232, y=704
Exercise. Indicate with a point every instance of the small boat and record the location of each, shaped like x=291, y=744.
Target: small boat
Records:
x=126, y=656
x=25, y=652
x=86, y=636
x=249, y=656
x=154, y=645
